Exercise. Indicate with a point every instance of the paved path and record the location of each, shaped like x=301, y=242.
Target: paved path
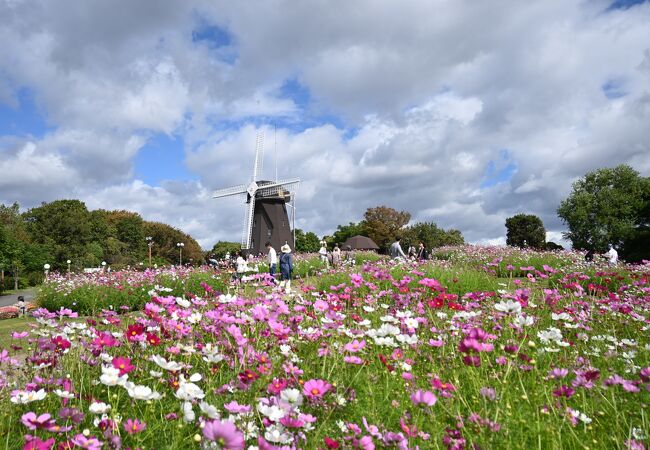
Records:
x=10, y=299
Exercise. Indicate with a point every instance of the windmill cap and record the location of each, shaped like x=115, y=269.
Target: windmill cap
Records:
x=285, y=249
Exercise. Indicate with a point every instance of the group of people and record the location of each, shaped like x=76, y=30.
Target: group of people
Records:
x=395, y=251
x=335, y=258
x=611, y=255
x=285, y=263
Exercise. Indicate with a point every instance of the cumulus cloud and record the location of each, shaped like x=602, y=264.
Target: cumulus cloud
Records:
x=461, y=113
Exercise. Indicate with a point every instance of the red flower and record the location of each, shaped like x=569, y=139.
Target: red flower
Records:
x=153, y=339
x=331, y=443
x=61, y=343
x=248, y=376
x=133, y=331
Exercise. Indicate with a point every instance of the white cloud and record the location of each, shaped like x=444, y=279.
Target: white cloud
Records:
x=430, y=93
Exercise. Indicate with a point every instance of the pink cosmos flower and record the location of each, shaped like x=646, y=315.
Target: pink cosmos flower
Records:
x=31, y=421
x=558, y=373
x=423, y=397
x=315, y=389
x=235, y=408
x=133, y=426
x=35, y=443
x=123, y=365
x=355, y=346
x=353, y=360
x=90, y=443
x=225, y=434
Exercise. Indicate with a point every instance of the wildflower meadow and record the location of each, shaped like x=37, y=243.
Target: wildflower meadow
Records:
x=477, y=348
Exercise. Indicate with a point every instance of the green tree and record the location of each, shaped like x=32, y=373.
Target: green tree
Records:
x=525, y=230
x=306, y=242
x=431, y=235
x=344, y=232
x=382, y=224
x=165, y=238
x=220, y=249
x=608, y=206
x=63, y=226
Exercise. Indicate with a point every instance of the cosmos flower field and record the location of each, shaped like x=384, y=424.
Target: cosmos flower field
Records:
x=480, y=348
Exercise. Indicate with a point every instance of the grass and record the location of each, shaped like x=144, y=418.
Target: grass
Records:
x=9, y=326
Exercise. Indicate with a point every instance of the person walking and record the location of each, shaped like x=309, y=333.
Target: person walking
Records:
x=336, y=256
x=395, y=251
x=323, y=254
x=273, y=260
x=286, y=268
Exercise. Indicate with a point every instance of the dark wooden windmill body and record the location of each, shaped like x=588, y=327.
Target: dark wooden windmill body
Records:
x=267, y=218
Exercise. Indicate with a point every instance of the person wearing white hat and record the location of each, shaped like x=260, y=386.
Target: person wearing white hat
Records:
x=286, y=267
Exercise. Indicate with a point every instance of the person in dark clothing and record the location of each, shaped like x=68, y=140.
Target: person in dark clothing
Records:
x=422, y=252
x=286, y=267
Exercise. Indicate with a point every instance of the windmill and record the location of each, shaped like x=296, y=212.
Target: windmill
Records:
x=266, y=206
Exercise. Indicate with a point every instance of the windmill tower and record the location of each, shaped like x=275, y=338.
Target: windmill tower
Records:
x=266, y=207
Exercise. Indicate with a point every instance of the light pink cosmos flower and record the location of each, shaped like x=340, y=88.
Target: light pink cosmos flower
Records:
x=90, y=443
x=420, y=397
x=315, y=389
x=355, y=346
x=225, y=434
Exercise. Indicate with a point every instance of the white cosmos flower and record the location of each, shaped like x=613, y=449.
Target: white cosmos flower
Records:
x=275, y=433
x=99, y=408
x=139, y=392
x=111, y=376
x=407, y=339
x=508, y=307
x=182, y=302
x=195, y=318
x=189, y=392
x=524, y=321
x=561, y=316
x=274, y=413
x=22, y=397
x=63, y=394
x=292, y=396
x=209, y=410
x=412, y=323
x=385, y=341
x=172, y=366
x=188, y=412
x=390, y=319
x=549, y=335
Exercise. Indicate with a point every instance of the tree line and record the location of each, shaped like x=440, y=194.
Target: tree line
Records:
x=609, y=206
x=65, y=230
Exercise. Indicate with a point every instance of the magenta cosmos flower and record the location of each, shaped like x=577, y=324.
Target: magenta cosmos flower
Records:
x=421, y=397
x=90, y=443
x=225, y=434
x=315, y=389
x=123, y=365
x=35, y=443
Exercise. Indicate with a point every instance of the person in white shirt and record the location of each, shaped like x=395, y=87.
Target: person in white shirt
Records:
x=323, y=254
x=396, y=251
x=273, y=259
x=242, y=266
x=612, y=255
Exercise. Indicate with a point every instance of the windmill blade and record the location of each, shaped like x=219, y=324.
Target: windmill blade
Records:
x=259, y=156
x=234, y=190
x=268, y=189
x=248, y=225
